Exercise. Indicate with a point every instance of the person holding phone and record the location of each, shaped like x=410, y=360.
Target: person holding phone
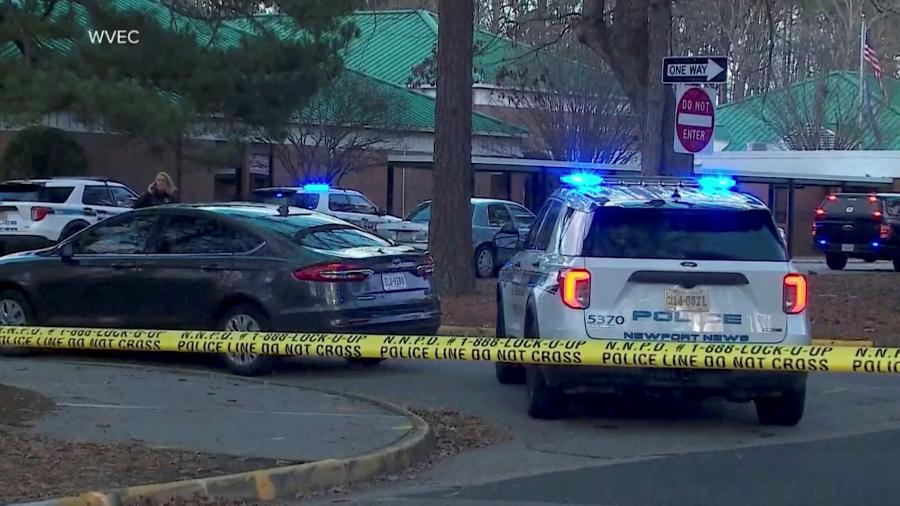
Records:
x=161, y=191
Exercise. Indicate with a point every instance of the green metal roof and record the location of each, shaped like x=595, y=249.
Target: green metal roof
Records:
x=743, y=122
x=389, y=45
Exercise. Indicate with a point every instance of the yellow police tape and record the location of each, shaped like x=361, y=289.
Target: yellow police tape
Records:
x=513, y=350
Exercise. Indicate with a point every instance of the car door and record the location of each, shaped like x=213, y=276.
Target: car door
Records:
x=497, y=217
x=522, y=217
x=99, y=203
x=97, y=285
x=123, y=199
x=197, y=263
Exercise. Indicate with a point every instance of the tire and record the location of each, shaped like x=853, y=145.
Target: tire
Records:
x=897, y=264
x=544, y=402
x=485, y=262
x=72, y=229
x=246, y=318
x=507, y=374
x=835, y=262
x=15, y=311
x=786, y=410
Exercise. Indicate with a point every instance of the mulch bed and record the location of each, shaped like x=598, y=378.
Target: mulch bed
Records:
x=842, y=306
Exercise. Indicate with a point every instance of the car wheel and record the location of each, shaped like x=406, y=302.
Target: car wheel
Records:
x=246, y=318
x=72, y=229
x=786, y=410
x=15, y=311
x=544, y=402
x=507, y=374
x=485, y=262
x=835, y=262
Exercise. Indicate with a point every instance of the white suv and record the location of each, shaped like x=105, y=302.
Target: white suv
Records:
x=655, y=261
x=348, y=205
x=37, y=213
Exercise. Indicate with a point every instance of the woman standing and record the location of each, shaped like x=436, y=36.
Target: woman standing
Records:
x=161, y=191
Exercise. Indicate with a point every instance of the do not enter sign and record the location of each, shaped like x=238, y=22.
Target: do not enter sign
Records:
x=695, y=120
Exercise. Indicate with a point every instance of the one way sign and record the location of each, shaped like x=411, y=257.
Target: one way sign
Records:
x=694, y=70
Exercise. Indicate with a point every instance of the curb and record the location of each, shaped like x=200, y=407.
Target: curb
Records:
x=489, y=332
x=279, y=483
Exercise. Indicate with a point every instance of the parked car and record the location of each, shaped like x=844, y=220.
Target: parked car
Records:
x=489, y=217
x=857, y=225
x=348, y=205
x=240, y=267
x=36, y=213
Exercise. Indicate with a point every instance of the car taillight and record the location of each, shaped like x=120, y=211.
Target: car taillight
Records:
x=333, y=272
x=877, y=214
x=575, y=288
x=426, y=267
x=795, y=293
x=873, y=198
x=39, y=213
x=820, y=213
x=884, y=231
x=832, y=197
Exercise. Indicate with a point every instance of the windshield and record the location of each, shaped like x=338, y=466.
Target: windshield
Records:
x=421, y=214
x=338, y=237
x=677, y=234
x=18, y=192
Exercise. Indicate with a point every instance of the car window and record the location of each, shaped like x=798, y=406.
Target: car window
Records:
x=540, y=236
x=523, y=217
x=97, y=196
x=539, y=219
x=307, y=201
x=684, y=235
x=123, y=197
x=335, y=237
x=498, y=215
x=123, y=235
x=893, y=207
x=421, y=214
x=23, y=192
x=339, y=202
x=362, y=205
x=193, y=235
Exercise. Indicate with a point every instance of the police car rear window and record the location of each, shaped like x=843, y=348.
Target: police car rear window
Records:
x=34, y=193
x=684, y=234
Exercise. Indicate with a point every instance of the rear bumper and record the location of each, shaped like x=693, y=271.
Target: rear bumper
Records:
x=885, y=251
x=734, y=385
x=424, y=321
x=14, y=243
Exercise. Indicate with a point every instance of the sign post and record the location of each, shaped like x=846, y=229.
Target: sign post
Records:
x=695, y=120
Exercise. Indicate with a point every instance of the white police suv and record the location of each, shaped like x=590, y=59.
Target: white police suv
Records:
x=653, y=261
x=348, y=205
x=36, y=213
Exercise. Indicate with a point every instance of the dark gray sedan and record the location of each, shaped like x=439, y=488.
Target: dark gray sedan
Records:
x=241, y=267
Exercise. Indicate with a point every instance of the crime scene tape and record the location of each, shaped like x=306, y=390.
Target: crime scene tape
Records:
x=610, y=353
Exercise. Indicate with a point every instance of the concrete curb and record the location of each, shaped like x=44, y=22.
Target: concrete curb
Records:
x=279, y=483
x=489, y=332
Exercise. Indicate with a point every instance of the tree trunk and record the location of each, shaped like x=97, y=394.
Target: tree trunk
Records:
x=450, y=237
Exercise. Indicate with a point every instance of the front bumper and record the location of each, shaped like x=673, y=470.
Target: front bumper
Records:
x=733, y=385
x=14, y=243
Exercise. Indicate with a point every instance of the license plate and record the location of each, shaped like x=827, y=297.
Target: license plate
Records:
x=393, y=281
x=694, y=299
x=847, y=247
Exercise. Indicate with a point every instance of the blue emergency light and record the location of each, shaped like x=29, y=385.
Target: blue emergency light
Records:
x=713, y=183
x=316, y=187
x=582, y=180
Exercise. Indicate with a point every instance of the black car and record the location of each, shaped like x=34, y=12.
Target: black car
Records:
x=241, y=267
x=857, y=225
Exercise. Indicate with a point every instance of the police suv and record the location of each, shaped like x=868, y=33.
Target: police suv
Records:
x=649, y=261
x=36, y=213
x=348, y=205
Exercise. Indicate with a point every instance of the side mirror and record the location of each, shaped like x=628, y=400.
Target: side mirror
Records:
x=507, y=238
x=66, y=251
x=382, y=212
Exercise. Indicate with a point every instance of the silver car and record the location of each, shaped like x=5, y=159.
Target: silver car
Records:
x=490, y=217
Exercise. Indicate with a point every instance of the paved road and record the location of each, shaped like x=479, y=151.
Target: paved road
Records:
x=853, y=266
x=633, y=453
x=198, y=411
